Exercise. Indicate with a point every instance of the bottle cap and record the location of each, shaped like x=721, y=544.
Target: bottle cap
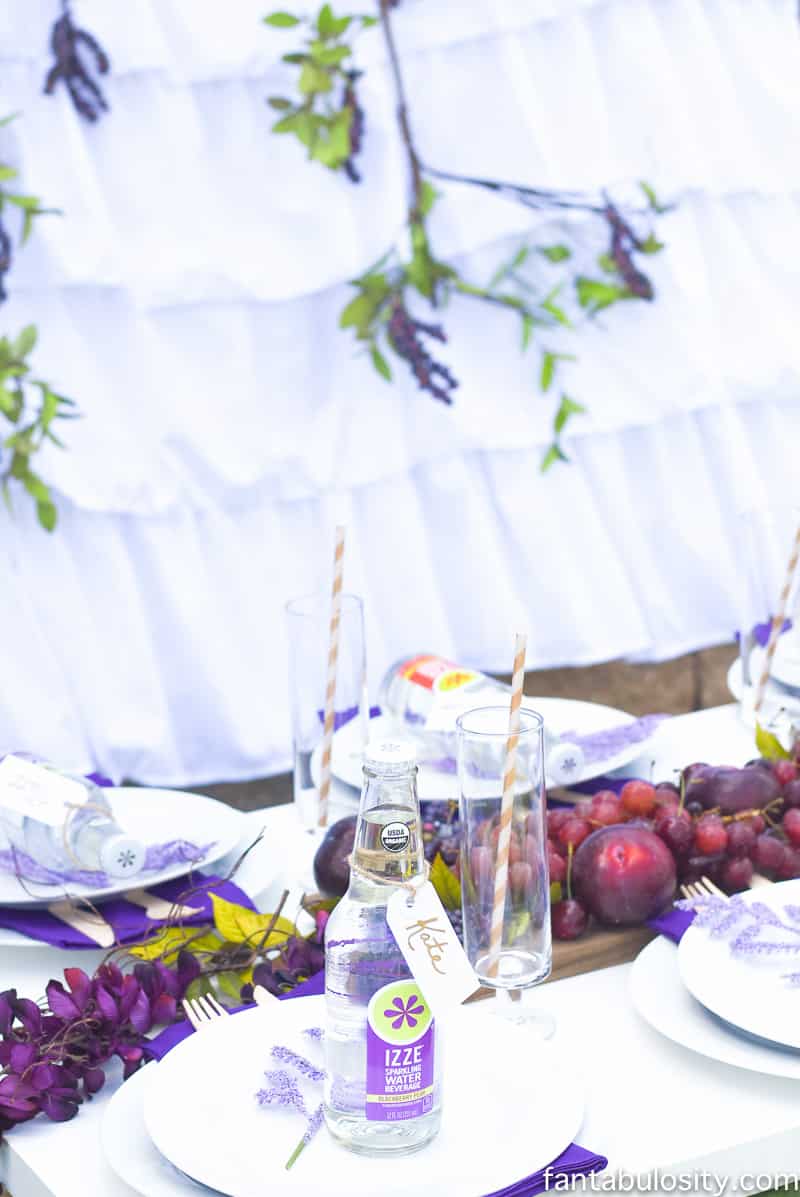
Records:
x=122, y=856
x=390, y=754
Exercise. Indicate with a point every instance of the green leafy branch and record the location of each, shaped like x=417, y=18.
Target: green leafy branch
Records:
x=29, y=205
x=326, y=117
x=32, y=407
x=380, y=312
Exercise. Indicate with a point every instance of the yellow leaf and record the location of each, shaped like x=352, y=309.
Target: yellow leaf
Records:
x=770, y=746
x=237, y=924
x=446, y=884
x=166, y=945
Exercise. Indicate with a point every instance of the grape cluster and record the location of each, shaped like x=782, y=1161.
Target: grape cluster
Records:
x=457, y=920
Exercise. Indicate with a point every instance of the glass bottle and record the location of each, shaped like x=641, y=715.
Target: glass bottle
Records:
x=383, y=1088
x=63, y=821
x=425, y=694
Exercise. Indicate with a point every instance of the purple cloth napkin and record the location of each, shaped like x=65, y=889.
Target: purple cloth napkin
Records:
x=129, y=922
x=575, y=1161
x=673, y=923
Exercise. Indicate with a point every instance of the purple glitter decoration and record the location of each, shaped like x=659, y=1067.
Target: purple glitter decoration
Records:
x=315, y=1033
x=602, y=745
x=157, y=857
x=286, y=1056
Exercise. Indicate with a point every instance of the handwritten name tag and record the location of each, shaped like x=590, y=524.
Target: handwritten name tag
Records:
x=32, y=790
x=431, y=948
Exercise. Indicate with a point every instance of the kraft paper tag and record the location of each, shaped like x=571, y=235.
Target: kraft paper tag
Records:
x=38, y=793
x=430, y=947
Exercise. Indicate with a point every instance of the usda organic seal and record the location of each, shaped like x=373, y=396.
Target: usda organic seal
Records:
x=395, y=837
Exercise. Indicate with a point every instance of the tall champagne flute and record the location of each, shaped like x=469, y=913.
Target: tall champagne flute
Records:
x=524, y=957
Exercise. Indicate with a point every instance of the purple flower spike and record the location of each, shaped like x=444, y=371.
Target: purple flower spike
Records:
x=304, y=1066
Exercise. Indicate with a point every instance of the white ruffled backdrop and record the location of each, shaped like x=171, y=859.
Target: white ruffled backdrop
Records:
x=188, y=299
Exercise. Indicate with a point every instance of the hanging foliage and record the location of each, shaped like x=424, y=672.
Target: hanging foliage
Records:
x=540, y=285
x=29, y=407
x=77, y=55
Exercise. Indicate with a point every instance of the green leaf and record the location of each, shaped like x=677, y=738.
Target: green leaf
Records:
x=230, y=983
x=26, y=341
x=650, y=245
x=7, y=173
x=38, y=490
x=428, y=195
x=595, y=294
x=380, y=363
x=47, y=515
x=167, y=943
x=652, y=199
x=282, y=20
x=369, y=22
x=520, y=257
x=567, y=408
x=770, y=746
x=548, y=371
x=329, y=56
x=556, y=253
x=279, y=103
x=554, y=453
x=6, y=120
x=295, y=58
x=527, y=330
x=359, y=314
x=330, y=26
x=446, y=884
x=314, y=80
x=607, y=263
x=549, y=305
x=237, y=924
x=332, y=145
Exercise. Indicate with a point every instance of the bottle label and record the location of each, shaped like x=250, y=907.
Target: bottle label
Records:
x=453, y=689
x=34, y=792
x=395, y=837
x=400, y=1053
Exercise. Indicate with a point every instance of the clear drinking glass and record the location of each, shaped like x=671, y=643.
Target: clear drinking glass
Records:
x=525, y=955
x=308, y=622
x=767, y=585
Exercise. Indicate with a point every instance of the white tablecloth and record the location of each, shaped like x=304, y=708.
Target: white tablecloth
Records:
x=188, y=298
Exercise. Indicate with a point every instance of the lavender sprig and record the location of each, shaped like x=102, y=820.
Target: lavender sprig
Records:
x=286, y=1056
x=749, y=924
x=315, y=1122
x=283, y=1091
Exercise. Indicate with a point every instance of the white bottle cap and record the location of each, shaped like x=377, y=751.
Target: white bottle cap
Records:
x=122, y=856
x=564, y=763
x=391, y=754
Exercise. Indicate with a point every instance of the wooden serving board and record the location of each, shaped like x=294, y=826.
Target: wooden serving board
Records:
x=599, y=948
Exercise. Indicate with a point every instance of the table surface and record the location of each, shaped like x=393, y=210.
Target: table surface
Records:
x=650, y=1104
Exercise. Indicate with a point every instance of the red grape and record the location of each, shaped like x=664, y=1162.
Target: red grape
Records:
x=710, y=835
x=557, y=867
x=791, y=793
x=638, y=797
x=521, y=877
x=555, y=818
x=736, y=875
x=676, y=832
x=791, y=825
x=785, y=771
x=741, y=839
x=583, y=809
x=789, y=868
x=569, y=919
x=758, y=823
x=608, y=811
x=768, y=853
x=574, y=832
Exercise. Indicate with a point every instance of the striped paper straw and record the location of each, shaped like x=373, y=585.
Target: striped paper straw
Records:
x=507, y=807
x=330, y=690
x=778, y=620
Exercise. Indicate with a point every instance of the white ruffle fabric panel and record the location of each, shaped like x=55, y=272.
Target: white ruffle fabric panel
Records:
x=154, y=647
x=188, y=298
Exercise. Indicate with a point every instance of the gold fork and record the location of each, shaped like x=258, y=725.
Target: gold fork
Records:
x=705, y=888
x=202, y=1011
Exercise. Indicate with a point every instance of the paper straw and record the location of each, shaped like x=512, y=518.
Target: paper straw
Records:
x=507, y=807
x=330, y=691
x=778, y=620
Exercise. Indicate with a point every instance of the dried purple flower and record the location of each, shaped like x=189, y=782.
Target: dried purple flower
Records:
x=405, y=334
x=283, y=1090
x=286, y=1056
x=315, y=1033
x=752, y=924
x=357, y=122
x=314, y=1123
x=66, y=42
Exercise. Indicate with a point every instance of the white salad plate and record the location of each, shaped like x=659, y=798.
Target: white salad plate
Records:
x=662, y=1000
x=201, y=1114
x=750, y=992
x=153, y=816
x=777, y=698
x=561, y=715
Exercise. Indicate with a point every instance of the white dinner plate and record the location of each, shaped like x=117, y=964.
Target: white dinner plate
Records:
x=662, y=1000
x=511, y=1105
x=436, y=784
x=749, y=993
x=777, y=699
x=153, y=816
